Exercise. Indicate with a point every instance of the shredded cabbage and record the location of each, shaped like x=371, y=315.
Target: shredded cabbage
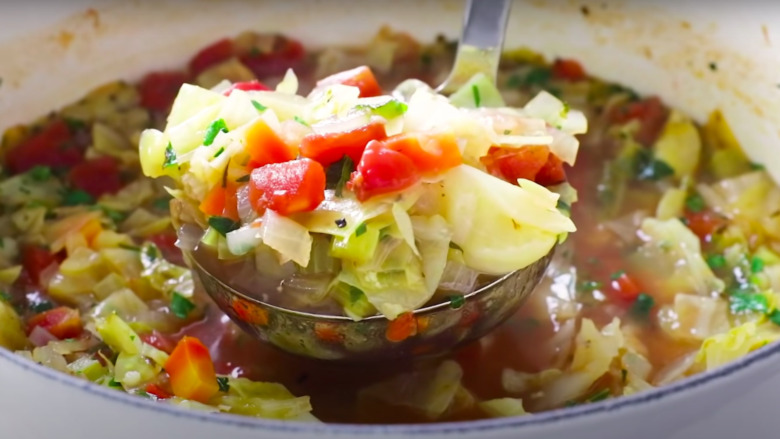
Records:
x=720, y=349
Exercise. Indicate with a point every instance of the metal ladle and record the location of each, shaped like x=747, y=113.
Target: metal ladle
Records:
x=437, y=328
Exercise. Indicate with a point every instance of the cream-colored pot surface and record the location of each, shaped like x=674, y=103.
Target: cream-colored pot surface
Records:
x=697, y=55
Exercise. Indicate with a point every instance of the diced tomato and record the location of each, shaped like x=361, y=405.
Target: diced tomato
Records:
x=650, y=113
x=253, y=85
x=431, y=154
x=166, y=242
x=287, y=53
x=159, y=89
x=191, y=371
x=705, y=223
x=216, y=53
x=265, y=147
x=568, y=69
x=514, y=163
x=96, y=176
x=552, y=172
x=381, y=171
x=159, y=341
x=54, y=146
x=361, y=77
x=62, y=322
x=331, y=147
x=157, y=391
x=403, y=327
x=625, y=287
x=36, y=259
x=289, y=187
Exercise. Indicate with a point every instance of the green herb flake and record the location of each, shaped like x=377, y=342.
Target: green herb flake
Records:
x=642, y=305
x=222, y=224
x=477, y=98
x=213, y=130
x=713, y=66
x=151, y=253
x=456, y=301
x=756, y=264
x=740, y=303
x=600, y=395
x=346, y=171
x=564, y=207
x=652, y=169
x=114, y=383
x=224, y=384
x=40, y=173
x=77, y=197
x=537, y=76
x=243, y=178
x=170, y=157
x=361, y=229
x=40, y=307
x=112, y=214
x=145, y=394
x=162, y=203
x=75, y=124
x=258, y=106
x=5, y=297
x=219, y=151
x=695, y=203
x=133, y=248
x=565, y=110
x=181, y=306
x=716, y=261
x=774, y=317
x=616, y=275
x=589, y=285
x=456, y=247
x=300, y=121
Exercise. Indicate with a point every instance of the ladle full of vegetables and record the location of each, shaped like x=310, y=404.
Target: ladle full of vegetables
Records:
x=351, y=224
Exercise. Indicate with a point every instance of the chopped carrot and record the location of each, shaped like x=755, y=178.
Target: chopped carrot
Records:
x=265, y=147
x=214, y=202
x=191, y=371
x=361, y=77
x=91, y=229
x=568, y=69
x=625, y=286
x=157, y=391
x=328, y=332
x=403, y=327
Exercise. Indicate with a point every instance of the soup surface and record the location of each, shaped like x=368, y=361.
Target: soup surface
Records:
x=672, y=270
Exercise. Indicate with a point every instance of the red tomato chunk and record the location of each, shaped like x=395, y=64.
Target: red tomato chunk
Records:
x=289, y=187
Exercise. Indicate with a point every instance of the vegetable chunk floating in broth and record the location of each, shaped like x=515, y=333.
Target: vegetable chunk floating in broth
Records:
x=365, y=181
x=349, y=188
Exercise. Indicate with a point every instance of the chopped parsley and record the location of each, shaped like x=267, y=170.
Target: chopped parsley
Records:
x=181, y=306
x=537, y=76
x=40, y=173
x=389, y=110
x=648, y=168
x=589, y=285
x=361, y=229
x=774, y=317
x=564, y=206
x=258, y=106
x=41, y=306
x=695, y=203
x=76, y=197
x=133, y=248
x=713, y=66
x=219, y=151
x=346, y=171
x=616, y=275
x=223, y=383
x=151, y=253
x=756, y=264
x=716, y=261
x=477, y=98
x=600, y=395
x=642, y=305
x=112, y=214
x=162, y=203
x=757, y=166
x=355, y=294
x=5, y=297
x=300, y=121
x=75, y=124
x=746, y=302
x=170, y=157
x=213, y=130
x=456, y=301
x=114, y=383
x=222, y=224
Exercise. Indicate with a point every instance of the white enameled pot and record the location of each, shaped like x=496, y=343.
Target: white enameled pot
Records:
x=697, y=55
